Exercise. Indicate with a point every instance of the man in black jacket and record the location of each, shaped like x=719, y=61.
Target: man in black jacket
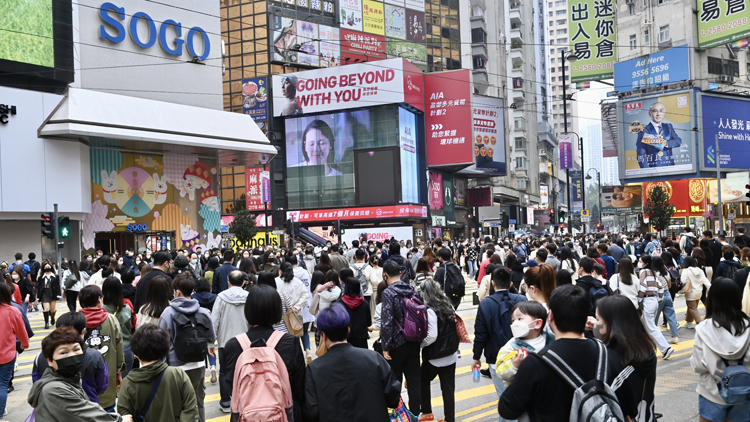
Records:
x=365, y=376
x=161, y=263
x=444, y=255
x=394, y=254
x=586, y=280
x=715, y=248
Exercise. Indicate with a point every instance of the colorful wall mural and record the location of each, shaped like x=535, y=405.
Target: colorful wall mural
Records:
x=154, y=193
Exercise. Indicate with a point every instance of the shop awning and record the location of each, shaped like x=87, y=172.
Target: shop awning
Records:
x=138, y=124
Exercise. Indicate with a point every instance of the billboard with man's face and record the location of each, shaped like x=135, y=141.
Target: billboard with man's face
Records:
x=656, y=136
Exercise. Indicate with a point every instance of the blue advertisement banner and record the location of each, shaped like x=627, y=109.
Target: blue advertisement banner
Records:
x=729, y=119
x=662, y=68
x=576, y=190
x=255, y=98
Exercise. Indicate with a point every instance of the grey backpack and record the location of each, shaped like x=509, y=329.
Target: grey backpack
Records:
x=593, y=401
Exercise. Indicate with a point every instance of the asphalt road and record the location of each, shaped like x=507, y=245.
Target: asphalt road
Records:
x=675, y=388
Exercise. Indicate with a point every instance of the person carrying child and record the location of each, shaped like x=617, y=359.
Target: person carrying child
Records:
x=529, y=335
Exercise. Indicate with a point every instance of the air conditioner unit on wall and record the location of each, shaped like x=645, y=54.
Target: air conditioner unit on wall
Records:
x=629, y=1
x=727, y=79
x=542, y=152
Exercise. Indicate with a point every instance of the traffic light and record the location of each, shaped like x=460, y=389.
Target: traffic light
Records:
x=48, y=225
x=747, y=195
x=599, y=226
x=63, y=227
x=561, y=217
x=290, y=228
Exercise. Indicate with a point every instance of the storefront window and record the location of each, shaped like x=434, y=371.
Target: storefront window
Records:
x=232, y=189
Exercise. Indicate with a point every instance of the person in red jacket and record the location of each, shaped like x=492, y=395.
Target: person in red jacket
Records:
x=11, y=328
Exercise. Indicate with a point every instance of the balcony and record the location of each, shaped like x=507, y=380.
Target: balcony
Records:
x=521, y=144
x=515, y=17
x=481, y=76
x=519, y=124
x=516, y=35
x=516, y=55
x=478, y=49
x=519, y=96
x=547, y=134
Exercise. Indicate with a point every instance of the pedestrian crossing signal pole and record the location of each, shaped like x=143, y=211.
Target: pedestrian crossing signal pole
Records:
x=338, y=230
x=57, y=241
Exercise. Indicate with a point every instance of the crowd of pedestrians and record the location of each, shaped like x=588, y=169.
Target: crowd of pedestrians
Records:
x=562, y=322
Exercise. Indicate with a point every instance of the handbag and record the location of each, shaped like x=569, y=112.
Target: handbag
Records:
x=315, y=304
x=293, y=323
x=475, y=298
x=71, y=281
x=142, y=414
x=463, y=335
x=401, y=413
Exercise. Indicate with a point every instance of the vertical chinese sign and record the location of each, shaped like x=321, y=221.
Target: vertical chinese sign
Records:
x=448, y=118
x=593, y=35
x=576, y=190
x=256, y=194
x=566, y=151
x=722, y=22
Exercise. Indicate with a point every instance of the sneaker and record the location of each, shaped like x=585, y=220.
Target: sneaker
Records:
x=667, y=353
x=690, y=325
x=485, y=372
x=426, y=417
x=674, y=340
x=664, y=325
x=225, y=409
x=213, y=375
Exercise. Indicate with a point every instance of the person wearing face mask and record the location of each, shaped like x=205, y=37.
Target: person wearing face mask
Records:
x=194, y=265
x=632, y=361
x=58, y=395
x=48, y=286
x=528, y=331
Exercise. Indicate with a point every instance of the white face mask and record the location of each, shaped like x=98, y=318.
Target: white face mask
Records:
x=520, y=329
x=15, y=276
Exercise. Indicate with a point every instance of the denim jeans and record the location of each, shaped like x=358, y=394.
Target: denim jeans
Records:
x=499, y=385
x=6, y=370
x=225, y=398
x=305, y=337
x=129, y=358
x=667, y=306
x=472, y=268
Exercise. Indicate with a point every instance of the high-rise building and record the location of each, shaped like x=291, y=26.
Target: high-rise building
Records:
x=558, y=45
x=592, y=142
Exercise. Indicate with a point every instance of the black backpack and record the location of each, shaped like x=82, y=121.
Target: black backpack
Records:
x=688, y=245
x=454, y=280
x=191, y=336
x=34, y=268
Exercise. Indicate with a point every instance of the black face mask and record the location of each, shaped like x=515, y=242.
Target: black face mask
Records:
x=48, y=270
x=70, y=366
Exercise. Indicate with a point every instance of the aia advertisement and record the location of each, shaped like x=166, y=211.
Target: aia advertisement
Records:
x=689, y=196
x=362, y=213
x=257, y=186
x=341, y=87
x=360, y=46
x=448, y=118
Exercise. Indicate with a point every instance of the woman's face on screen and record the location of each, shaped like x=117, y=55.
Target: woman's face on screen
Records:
x=317, y=147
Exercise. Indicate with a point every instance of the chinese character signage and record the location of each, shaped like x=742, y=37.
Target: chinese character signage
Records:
x=609, y=129
x=373, y=20
x=729, y=119
x=415, y=4
x=330, y=46
x=621, y=199
x=360, y=47
x=255, y=98
x=448, y=118
x=415, y=26
x=593, y=34
x=688, y=196
x=722, y=22
x=254, y=191
x=576, y=194
x=660, y=68
x=406, y=50
x=489, y=136
x=566, y=151
x=656, y=135
x=361, y=213
x=351, y=14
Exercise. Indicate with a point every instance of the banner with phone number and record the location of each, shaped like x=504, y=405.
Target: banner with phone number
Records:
x=593, y=33
x=721, y=22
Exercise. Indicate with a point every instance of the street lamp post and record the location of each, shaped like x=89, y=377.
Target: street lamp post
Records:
x=598, y=189
x=571, y=58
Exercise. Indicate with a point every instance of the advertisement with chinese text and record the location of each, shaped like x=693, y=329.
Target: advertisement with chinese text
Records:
x=289, y=32
x=721, y=22
x=255, y=98
x=448, y=118
x=593, y=36
x=351, y=14
x=688, y=195
x=395, y=22
x=415, y=26
x=729, y=120
x=373, y=20
x=360, y=213
x=436, y=191
x=656, y=135
x=660, y=68
x=622, y=199
x=576, y=194
x=359, y=47
x=330, y=46
x=489, y=136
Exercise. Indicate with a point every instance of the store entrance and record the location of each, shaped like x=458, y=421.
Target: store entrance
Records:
x=117, y=242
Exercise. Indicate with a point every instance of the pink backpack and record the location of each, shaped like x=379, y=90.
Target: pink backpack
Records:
x=261, y=390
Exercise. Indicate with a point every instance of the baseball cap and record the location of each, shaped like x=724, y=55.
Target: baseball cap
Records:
x=530, y=263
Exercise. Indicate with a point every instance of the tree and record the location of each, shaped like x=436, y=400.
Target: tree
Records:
x=243, y=227
x=658, y=209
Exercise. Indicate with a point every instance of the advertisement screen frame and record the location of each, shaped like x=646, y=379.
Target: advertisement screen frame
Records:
x=359, y=192
x=703, y=142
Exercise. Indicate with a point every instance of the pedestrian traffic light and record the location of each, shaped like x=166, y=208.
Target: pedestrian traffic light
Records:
x=342, y=228
x=599, y=225
x=63, y=227
x=48, y=225
x=561, y=217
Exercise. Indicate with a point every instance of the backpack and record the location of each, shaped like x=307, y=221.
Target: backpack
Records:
x=133, y=315
x=688, y=249
x=674, y=274
x=261, y=388
x=504, y=308
x=657, y=249
x=415, y=319
x=455, y=280
x=731, y=271
x=191, y=336
x=734, y=387
x=359, y=274
x=598, y=292
x=34, y=268
x=594, y=400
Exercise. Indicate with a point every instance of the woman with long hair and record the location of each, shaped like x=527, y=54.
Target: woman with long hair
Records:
x=157, y=300
x=625, y=282
x=439, y=350
x=568, y=262
x=423, y=273
x=650, y=292
x=708, y=258
x=630, y=355
x=269, y=263
x=693, y=281
x=666, y=305
x=722, y=339
x=115, y=304
x=359, y=313
x=48, y=286
x=429, y=256
x=75, y=282
x=268, y=279
x=247, y=266
x=324, y=263
x=540, y=282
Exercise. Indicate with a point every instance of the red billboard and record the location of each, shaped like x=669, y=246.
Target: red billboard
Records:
x=254, y=189
x=448, y=118
x=358, y=47
x=361, y=213
x=689, y=196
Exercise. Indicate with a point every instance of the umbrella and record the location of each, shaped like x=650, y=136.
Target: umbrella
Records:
x=544, y=232
x=519, y=233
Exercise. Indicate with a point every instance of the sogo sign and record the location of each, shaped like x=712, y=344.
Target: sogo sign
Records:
x=116, y=32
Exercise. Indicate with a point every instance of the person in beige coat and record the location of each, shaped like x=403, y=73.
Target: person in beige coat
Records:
x=693, y=280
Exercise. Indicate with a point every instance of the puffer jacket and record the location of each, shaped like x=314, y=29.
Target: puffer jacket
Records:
x=712, y=344
x=392, y=314
x=697, y=280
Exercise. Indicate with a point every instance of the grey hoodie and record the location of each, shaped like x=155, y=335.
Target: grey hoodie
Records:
x=711, y=345
x=188, y=307
x=57, y=398
x=229, y=314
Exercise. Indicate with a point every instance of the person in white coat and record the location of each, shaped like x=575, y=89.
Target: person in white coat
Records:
x=307, y=317
x=625, y=282
x=693, y=280
x=722, y=339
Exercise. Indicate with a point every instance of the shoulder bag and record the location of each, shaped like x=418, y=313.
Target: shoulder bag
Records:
x=142, y=414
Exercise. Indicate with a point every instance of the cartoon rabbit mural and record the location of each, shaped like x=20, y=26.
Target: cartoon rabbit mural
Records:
x=109, y=186
x=160, y=188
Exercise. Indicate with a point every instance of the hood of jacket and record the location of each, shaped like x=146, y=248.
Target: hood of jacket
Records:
x=205, y=299
x=148, y=373
x=234, y=296
x=402, y=289
x=732, y=263
x=400, y=260
x=352, y=302
x=694, y=273
x=688, y=234
x=50, y=375
x=94, y=316
x=721, y=341
x=184, y=305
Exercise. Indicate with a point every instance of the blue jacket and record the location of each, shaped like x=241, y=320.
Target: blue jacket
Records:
x=220, y=278
x=492, y=326
x=609, y=265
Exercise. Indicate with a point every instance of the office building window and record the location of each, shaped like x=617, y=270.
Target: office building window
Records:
x=646, y=36
x=561, y=12
x=552, y=69
x=232, y=189
x=562, y=3
x=562, y=40
x=555, y=125
x=554, y=88
x=664, y=33
x=554, y=106
x=549, y=4
x=551, y=33
x=553, y=79
x=631, y=9
x=550, y=23
x=521, y=162
x=717, y=66
x=561, y=21
x=478, y=36
x=551, y=41
x=550, y=14
x=567, y=106
x=632, y=41
x=562, y=31
x=552, y=59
